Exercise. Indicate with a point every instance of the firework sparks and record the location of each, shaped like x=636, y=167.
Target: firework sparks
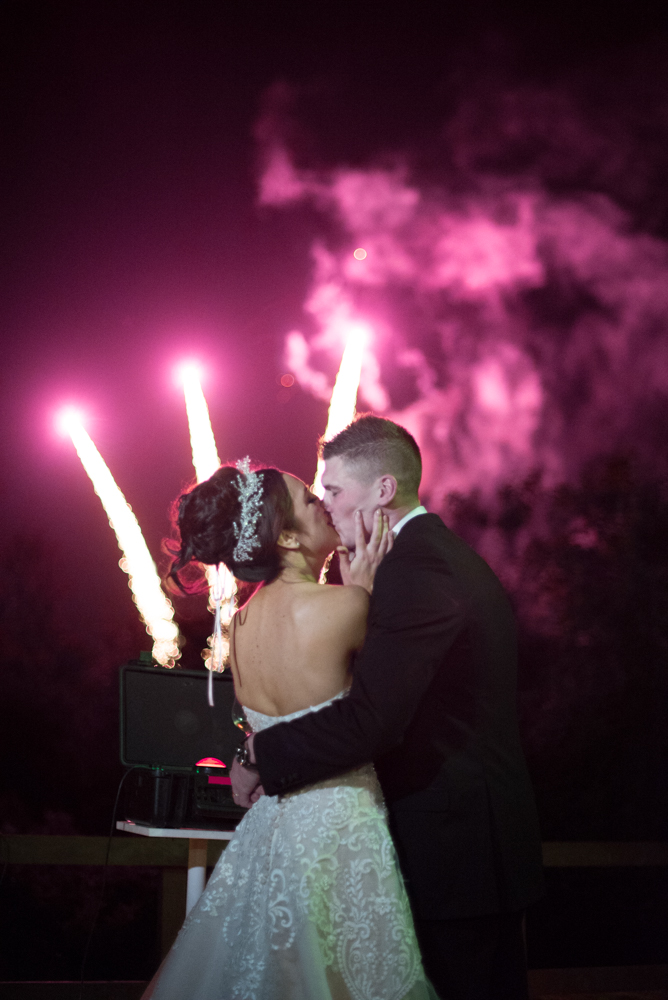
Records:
x=344, y=393
x=154, y=607
x=202, y=441
x=205, y=461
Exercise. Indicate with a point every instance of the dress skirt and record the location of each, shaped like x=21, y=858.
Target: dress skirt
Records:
x=306, y=903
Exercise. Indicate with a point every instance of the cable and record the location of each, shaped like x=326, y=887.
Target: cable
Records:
x=135, y=767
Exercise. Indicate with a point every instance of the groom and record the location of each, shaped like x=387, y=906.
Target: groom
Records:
x=432, y=703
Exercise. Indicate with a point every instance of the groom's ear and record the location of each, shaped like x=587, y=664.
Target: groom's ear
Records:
x=288, y=540
x=388, y=490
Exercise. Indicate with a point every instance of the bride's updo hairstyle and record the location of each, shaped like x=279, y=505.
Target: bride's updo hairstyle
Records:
x=206, y=517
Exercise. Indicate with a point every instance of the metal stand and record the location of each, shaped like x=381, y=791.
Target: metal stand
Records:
x=196, y=872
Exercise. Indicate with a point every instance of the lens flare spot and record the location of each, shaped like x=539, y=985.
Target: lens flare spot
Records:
x=287, y=380
x=493, y=389
x=359, y=254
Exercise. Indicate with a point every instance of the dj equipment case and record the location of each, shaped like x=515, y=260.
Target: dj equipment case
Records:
x=170, y=734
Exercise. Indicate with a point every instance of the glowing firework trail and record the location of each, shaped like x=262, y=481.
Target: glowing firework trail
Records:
x=206, y=461
x=344, y=394
x=202, y=441
x=155, y=609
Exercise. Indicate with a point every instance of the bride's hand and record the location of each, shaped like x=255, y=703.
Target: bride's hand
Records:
x=360, y=567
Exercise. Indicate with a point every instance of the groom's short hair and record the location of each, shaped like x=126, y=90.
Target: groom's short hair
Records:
x=376, y=446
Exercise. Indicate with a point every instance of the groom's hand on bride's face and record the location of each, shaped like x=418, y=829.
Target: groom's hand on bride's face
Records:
x=359, y=567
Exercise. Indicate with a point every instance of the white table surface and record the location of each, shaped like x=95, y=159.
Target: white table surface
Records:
x=182, y=833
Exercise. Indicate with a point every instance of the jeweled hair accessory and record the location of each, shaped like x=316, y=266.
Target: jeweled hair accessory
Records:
x=249, y=485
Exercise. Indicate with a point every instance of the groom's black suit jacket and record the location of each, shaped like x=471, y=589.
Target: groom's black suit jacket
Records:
x=432, y=703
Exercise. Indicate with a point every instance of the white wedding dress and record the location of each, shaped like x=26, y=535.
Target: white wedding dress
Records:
x=306, y=903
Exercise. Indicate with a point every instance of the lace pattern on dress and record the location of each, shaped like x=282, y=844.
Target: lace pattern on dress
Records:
x=307, y=900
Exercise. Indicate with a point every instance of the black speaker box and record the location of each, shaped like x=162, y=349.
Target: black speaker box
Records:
x=166, y=720
x=167, y=727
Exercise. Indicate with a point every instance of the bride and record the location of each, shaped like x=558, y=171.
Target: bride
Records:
x=306, y=902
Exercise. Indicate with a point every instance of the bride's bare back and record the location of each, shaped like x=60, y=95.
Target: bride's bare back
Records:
x=292, y=643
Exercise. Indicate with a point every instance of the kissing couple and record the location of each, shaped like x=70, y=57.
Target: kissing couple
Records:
x=391, y=845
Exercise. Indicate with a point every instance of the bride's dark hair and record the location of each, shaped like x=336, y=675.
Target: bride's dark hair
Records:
x=205, y=517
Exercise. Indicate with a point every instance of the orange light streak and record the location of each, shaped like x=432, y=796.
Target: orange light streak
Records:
x=344, y=394
x=202, y=441
x=153, y=606
x=205, y=462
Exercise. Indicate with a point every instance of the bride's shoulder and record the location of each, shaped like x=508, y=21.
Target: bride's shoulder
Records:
x=340, y=614
x=351, y=594
x=350, y=602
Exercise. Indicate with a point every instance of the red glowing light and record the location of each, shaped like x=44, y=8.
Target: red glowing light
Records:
x=359, y=254
x=287, y=380
x=210, y=762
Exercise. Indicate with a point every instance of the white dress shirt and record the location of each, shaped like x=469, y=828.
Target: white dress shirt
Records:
x=407, y=517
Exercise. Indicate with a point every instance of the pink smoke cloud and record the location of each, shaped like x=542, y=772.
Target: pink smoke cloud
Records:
x=513, y=329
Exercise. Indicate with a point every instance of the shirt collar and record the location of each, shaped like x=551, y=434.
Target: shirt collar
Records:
x=407, y=517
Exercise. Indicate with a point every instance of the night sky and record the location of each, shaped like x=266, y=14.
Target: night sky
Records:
x=138, y=141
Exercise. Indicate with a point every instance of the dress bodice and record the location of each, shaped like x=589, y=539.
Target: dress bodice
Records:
x=258, y=720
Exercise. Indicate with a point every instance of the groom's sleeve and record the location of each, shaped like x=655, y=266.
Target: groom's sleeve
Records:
x=415, y=615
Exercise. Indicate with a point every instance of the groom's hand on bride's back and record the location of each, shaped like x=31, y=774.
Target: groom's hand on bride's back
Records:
x=246, y=787
x=359, y=567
